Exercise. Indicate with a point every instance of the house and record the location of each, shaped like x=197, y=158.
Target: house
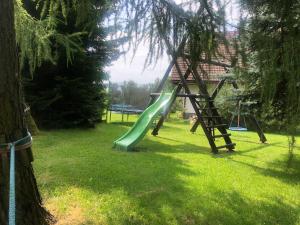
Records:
x=211, y=74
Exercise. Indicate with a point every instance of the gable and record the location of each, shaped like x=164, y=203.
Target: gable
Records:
x=207, y=71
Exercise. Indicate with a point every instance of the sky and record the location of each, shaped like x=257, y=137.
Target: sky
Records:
x=125, y=69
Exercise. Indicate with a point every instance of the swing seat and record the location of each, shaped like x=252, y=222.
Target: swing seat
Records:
x=238, y=128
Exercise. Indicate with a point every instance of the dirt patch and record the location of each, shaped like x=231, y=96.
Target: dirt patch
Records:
x=74, y=216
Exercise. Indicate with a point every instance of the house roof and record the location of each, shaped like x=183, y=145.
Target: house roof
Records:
x=208, y=72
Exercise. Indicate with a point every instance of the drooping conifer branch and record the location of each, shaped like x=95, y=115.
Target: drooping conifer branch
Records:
x=202, y=23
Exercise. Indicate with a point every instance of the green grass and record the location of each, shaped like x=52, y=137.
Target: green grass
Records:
x=172, y=179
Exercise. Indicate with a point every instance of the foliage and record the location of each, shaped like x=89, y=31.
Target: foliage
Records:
x=165, y=25
x=131, y=93
x=138, y=95
x=270, y=30
x=34, y=37
x=273, y=70
x=226, y=102
x=173, y=179
x=72, y=94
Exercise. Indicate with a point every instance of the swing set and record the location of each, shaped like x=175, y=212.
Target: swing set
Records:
x=208, y=116
x=239, y=126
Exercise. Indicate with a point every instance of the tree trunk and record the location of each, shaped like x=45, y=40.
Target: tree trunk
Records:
x=13, y=127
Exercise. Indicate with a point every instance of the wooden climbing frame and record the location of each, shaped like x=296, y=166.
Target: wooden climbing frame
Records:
x=208, y=116
x=203, y=103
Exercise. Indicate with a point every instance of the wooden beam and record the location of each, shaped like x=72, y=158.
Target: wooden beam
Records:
x=258, y=128
x=215, y=63
x=183, y=95
x=167, y=111
x=253, y=120
x=218, y=88
x=162, y=82
x=192, y=100
x=168, y=71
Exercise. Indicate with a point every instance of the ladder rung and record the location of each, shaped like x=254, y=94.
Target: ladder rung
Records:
x=226, y=146
x=183, y=95
x=218, y=125
x=221, y=135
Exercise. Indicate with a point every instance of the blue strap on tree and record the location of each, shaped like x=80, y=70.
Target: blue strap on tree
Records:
x=20, y=144
x=12, y=188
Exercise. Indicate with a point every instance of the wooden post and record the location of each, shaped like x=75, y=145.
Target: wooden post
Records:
x=202, y=88
x=218, y=88
x=167, y=111
x=167, y=73
x=254, y=121
x=258, y=129
x=192, y=100
x=162, y=83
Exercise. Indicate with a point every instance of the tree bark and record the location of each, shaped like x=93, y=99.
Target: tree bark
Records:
x=13, y=127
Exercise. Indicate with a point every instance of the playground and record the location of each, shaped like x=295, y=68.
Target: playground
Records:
x=170, y=180
x=208, y=137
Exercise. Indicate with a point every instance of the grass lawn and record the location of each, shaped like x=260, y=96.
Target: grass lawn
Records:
x=173, y=179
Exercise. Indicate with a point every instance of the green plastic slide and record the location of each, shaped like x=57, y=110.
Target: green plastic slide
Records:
x=142, y=125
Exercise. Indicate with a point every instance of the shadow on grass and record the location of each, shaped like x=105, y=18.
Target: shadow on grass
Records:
x=187, y=147
x=275, y=144
x=231, y=208
x=261, y=146
x=183, y=146
x=152, y=184
x=279, y=169
x=287, y=169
